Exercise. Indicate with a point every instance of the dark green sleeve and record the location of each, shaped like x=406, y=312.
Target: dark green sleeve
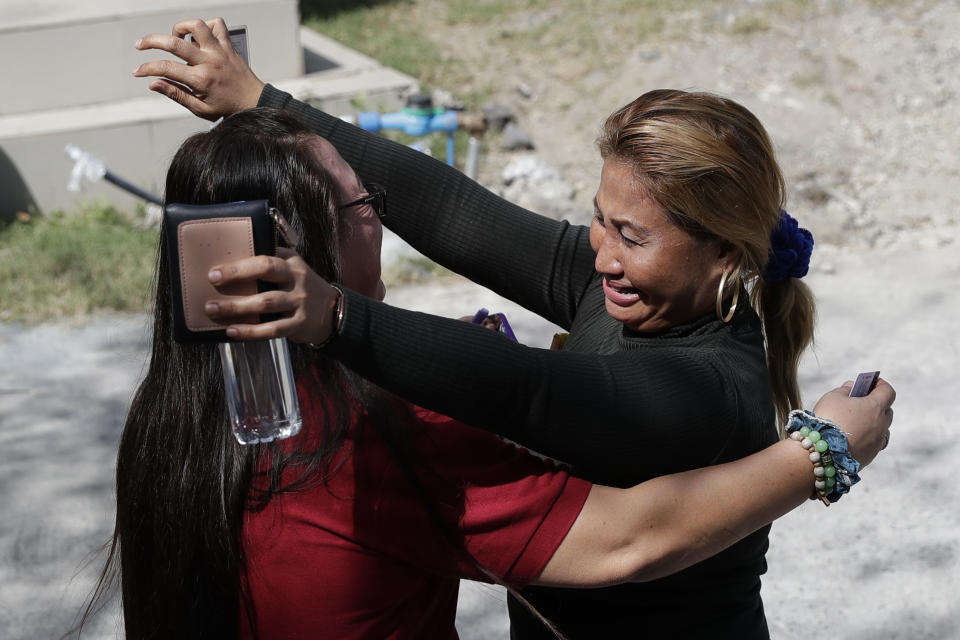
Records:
x=542, y=264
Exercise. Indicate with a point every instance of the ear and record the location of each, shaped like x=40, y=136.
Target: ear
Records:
x=728, y=257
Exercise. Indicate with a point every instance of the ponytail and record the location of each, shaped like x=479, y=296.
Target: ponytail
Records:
x=788, y=312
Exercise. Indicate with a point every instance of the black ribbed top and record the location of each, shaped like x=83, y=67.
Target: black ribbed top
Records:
x=620, y=407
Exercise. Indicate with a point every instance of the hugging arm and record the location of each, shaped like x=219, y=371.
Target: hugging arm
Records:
x=572, y=407
x=595, y=411
x=669, y=523
x=542, y=264
x=672, y=522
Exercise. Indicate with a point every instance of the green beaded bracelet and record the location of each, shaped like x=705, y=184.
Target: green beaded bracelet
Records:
x=835, y=470
x=823, y=469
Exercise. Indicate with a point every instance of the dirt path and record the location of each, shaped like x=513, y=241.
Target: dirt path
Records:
x=64, y=392
x=861, y=99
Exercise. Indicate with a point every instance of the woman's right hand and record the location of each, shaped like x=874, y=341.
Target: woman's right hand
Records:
x=305, y=303
x=215, y=81
x=866, y=420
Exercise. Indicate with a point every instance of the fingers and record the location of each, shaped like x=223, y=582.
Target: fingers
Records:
x=267, y=302
x=182, y=97
x=197, y=28
x=883, y=393
x=264, y=331
x=220, y=31
x=267, y=268
x=189, y=52
x=168, y=69
x=214, y=81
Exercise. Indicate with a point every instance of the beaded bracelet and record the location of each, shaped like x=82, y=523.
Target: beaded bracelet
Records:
x=337, y=319
x=834, y=469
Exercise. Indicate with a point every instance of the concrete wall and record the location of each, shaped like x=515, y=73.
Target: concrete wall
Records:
x=137, y=151
x=49, y=65
x=137, y=139
x=81, y=92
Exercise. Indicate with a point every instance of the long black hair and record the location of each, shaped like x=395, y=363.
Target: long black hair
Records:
x=183, y=481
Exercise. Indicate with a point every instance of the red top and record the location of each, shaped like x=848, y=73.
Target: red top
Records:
x=359, y=557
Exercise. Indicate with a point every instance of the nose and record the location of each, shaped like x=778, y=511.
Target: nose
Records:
x=607, y=261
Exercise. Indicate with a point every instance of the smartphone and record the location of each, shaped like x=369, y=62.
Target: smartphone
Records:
x=496, y=321
x=238, y=38
x=864, y=384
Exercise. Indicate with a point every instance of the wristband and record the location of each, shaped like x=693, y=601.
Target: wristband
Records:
x=338, y=311
x=834, y=469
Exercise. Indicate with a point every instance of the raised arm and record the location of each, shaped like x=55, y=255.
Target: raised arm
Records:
x=540, y=263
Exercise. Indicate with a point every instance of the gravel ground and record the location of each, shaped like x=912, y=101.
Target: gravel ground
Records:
x=64, y=392
x=861, y=100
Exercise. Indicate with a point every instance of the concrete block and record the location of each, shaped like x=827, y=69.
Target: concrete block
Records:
x=137, y=136
x=71, y=53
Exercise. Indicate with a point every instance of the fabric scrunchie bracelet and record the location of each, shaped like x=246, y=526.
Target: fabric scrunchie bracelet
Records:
x=834, y=469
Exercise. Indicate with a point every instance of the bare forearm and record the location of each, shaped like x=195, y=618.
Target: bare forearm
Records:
x=694, y=515
x=669, y=523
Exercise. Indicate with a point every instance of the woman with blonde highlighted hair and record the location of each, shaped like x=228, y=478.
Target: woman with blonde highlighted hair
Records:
x=667, y=366
x=709, y=165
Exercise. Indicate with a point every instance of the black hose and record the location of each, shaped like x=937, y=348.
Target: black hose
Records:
x=109, y=176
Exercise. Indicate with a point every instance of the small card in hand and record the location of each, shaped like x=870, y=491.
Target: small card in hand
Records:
x=864, y=384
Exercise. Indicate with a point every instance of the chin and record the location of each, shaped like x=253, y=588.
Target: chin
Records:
x=632, y=318
x=620, y=314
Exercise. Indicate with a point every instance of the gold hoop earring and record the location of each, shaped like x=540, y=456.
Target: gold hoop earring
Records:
x=736, y=295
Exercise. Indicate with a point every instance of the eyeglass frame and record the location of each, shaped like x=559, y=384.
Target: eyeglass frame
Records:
x=376, y=197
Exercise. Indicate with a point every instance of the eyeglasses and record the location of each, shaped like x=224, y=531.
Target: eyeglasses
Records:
x=376, y=197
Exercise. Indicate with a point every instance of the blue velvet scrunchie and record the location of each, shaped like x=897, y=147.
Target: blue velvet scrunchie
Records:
x=790, y=249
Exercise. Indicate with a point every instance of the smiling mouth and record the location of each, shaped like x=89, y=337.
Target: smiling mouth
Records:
x=620, y=295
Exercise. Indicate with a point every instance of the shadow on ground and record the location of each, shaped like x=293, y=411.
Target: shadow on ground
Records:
x=64, y=392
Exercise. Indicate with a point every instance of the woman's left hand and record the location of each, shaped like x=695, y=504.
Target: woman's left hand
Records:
x=865, y=420
x=215, y=81
x=305, y=301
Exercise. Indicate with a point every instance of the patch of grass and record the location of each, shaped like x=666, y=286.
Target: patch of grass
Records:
x=810, y=78
x=63, y=266
x=479, y=94
x=414, y=270
x=648, y=25
x=484, y=11
x=436, y=142
x=749, y=23
x=848, y=63
x=408, y=52
x=391, y=33
x=320, y=9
